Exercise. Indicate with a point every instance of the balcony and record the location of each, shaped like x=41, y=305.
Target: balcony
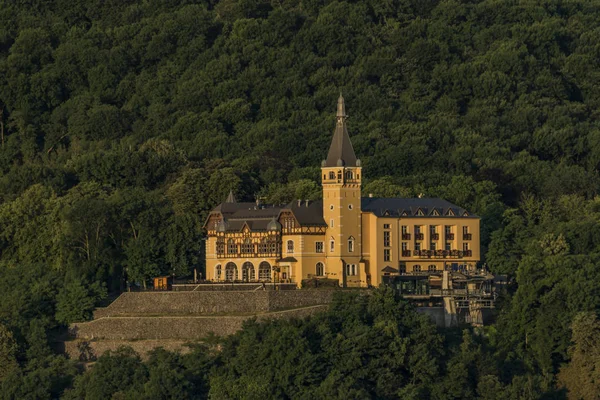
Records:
x=419, y=236
x=405, y=253
x=449, y=236
x=435, y=236
x=467, y=236
x=406, y=236
x=442, y=253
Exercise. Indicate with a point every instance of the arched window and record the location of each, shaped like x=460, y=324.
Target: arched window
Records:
x=264, y=271
x=248, y=272
x=331, y=175
x=231, y=247
x=351, y=270
x=339, y=175
x=247, y=246
x=351, y=244
x=231, y=272
x=432, y=268
x=320, y=270
x=218, y=272
x=417, y=268
x=349, y=175
x=290, y=246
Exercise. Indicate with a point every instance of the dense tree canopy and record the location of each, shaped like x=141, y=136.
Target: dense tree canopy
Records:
x=123, y=122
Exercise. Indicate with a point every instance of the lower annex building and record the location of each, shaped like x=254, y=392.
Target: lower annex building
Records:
x=359, y=241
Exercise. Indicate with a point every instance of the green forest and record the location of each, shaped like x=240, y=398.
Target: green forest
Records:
x=122, y=123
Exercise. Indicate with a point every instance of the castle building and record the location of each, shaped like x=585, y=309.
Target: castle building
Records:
x=358, y=241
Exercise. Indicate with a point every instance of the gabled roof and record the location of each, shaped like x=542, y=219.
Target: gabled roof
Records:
x=397, y=207
x=307, y=213
x=341, y=146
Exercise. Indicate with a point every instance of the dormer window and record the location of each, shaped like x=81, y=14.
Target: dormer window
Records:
x=331, y=175
x=420, y=212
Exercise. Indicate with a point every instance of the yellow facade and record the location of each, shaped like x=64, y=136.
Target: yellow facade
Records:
x=354, y=240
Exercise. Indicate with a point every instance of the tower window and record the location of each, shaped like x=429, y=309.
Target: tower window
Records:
x=332, y=245
x=331, y=207
x=331, y=224
x=290, y=246
x=351, y=244
x=348, y=174
x=331, y=175
x=339, y=175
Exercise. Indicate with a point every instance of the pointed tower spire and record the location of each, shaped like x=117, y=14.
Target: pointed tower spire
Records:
x=231, y=198
x=341, y=152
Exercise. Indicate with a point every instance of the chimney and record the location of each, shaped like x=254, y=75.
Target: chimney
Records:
x=370, y=194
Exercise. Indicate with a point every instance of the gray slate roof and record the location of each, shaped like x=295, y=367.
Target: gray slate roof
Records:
x=398, y=207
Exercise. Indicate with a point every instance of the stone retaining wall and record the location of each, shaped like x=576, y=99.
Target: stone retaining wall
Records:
x=180, y=328
x=208, y=302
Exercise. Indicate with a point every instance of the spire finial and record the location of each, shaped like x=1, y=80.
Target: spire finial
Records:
x=341, y=107
x=231, y=198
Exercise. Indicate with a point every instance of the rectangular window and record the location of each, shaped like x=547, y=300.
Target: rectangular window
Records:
x=465, y=230
x=351, y=270
x=465, y=246
x=432, y=246
x=290, y=246
x=386, y=255
x=417, y=245
x=448, y=246
x=386, y=238
x=402, y=267
x=448, y=230
x=432, y=229
x=404, y=246
x=417, y=229
x=386, y=226
x=404, y=229
x=319, y=248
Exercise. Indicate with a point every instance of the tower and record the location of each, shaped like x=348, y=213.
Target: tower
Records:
x=341, y=173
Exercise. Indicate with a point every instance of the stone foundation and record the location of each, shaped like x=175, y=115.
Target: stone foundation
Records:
x=209, y=302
